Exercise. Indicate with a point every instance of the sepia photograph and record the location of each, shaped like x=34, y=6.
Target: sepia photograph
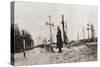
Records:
x=52, y=33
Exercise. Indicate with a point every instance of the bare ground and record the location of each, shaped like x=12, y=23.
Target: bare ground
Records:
x=81, y=53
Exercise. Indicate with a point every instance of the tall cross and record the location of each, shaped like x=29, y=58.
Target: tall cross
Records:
x=23, y=37
x=64, y=35
x=50, y=25
x=83, y=34
x=88, y=28
x=92, y=32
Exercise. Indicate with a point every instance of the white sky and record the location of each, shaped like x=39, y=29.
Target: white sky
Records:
x=32, y=16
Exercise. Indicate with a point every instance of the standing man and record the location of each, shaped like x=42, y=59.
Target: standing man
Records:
x=59, y=40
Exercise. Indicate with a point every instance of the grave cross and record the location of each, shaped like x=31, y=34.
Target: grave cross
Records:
x=50, y=25
x=23, y=38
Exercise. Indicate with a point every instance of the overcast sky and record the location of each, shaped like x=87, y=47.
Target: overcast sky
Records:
x=32, y=17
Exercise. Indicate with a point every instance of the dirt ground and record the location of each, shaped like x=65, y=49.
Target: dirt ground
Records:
x=81, y=53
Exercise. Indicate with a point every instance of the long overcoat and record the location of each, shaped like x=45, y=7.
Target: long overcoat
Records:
x=59, y=38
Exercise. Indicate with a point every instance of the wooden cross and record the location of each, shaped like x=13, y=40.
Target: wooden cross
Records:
x=50, y=25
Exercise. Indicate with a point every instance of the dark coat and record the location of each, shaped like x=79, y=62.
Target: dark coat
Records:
x=59, y=39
